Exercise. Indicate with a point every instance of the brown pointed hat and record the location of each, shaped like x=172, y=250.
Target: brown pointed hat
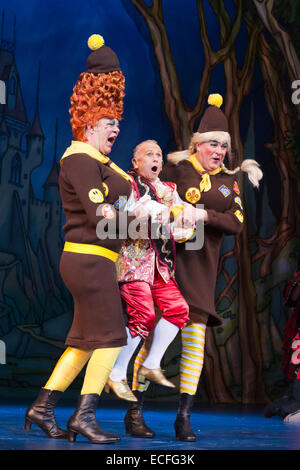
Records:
x=103, y=59
x=213, y=118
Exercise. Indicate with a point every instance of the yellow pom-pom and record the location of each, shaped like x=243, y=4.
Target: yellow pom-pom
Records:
x=215, y=100
x=95, y=42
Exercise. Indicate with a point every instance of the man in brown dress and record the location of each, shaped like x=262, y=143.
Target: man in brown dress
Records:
x=90, y=186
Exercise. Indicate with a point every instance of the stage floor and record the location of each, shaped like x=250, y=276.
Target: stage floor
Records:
x=217, y=427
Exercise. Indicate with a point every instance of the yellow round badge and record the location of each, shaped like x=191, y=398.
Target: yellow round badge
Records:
x=96, y=195
x=193, y=195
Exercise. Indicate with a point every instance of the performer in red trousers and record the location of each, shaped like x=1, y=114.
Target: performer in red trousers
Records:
x=146, y=269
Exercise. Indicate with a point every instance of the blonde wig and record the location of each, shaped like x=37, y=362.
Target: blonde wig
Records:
x=250, y=166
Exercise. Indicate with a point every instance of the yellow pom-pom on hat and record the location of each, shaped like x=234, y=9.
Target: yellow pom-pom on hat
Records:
x=95, y=41
x=213, y=118
x=215, y=100
x=102, y=59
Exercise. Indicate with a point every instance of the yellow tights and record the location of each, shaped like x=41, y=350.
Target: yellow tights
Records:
x=72, y=361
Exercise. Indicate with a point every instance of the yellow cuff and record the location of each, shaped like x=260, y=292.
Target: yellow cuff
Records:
x=176, y=210
x=186, y=239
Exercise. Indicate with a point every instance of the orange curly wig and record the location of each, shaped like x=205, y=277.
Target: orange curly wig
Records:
x=96, y=96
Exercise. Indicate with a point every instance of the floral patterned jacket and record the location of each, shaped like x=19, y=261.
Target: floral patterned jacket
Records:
x=137, y=259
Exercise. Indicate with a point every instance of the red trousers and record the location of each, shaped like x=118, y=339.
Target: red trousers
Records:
x=140, y=299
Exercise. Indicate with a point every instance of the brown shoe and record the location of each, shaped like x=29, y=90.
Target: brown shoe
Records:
x=154, y=375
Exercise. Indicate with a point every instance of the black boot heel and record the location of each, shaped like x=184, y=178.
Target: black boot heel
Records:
x=83, y=421
x=134, y=421
x=183, y=429
x=41, y=413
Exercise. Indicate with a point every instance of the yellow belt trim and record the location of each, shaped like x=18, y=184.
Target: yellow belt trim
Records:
x=86, y=249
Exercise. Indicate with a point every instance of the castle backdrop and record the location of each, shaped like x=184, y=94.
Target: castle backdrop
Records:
x=173, y=54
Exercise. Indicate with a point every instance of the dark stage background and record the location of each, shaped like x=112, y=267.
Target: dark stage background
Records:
x=173, y=54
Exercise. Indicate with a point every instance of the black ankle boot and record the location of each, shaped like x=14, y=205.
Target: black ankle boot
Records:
x=83, y=421
x=182, y=424
x=134, y=421
x=41, y=412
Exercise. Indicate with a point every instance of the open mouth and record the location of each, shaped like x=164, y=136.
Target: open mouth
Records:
x=154, y=168
x=110, y=141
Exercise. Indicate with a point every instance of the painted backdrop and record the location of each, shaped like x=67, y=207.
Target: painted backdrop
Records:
x=173, y=54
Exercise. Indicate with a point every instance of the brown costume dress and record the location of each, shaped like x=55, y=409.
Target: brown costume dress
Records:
x=89, y=190
x=196, y=270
